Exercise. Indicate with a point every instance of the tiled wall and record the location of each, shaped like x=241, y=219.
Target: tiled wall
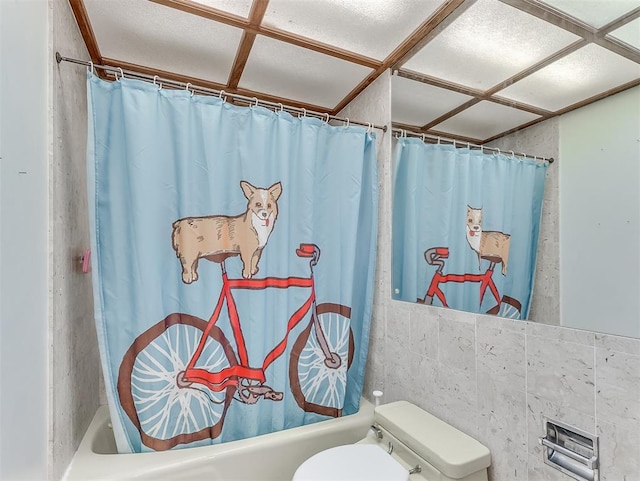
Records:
x=496, y=378
x=74, y=363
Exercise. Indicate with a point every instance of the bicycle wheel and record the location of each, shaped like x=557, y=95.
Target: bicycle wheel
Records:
x=508, y=307
x=319, y=384
x=166, y=409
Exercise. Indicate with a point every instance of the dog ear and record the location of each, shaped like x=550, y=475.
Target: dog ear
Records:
x=247, y=188
x=275, y=190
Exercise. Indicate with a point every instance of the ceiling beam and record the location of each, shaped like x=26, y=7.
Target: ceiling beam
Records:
x=84, y=24
x=198, y=82
x=537, y=66
x=577, y=27
x=258, y=9
x=210, y=13
x=204, y=11
x=414, y=42
x=438, y=82
x=478, y=95
x=441, y=19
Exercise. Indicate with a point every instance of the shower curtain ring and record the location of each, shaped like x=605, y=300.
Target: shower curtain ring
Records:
x=222, y=96
x=256, y=102
x=326, y=120
x=498, y=150
x=187, y=88
x=369, y=127
x=121, y=74
x=346, y=125
x=304, y=113
x=155, y=80
x=423, y=137
x=512, y=154
x=438, y=140
x=91, y=68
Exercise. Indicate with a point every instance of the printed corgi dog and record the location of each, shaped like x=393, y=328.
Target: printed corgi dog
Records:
x=217, y=237
x=490, y=245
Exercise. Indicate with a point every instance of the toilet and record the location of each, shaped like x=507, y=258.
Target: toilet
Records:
x=405, y=443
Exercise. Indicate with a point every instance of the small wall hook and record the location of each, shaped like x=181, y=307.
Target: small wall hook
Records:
x=85, y=260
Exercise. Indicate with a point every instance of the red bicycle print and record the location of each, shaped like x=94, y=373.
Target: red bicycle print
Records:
x=505, y=306
x=179, y=377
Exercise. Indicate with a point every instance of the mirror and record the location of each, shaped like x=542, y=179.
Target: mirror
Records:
x=480, y=74
x=588, y=258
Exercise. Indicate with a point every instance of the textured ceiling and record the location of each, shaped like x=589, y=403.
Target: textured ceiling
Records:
x=468, y=69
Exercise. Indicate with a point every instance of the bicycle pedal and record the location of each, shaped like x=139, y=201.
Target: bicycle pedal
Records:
x=273, y=396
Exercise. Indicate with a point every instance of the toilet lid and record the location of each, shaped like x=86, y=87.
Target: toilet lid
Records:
x=353, y=462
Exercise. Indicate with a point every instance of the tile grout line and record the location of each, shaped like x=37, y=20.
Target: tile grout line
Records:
x=526, y=395
x=595, y=390
x=475, y=346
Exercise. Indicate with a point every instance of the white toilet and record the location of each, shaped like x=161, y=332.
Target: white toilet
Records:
x=406, y=443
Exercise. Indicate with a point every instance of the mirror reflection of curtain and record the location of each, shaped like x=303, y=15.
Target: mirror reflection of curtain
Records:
x=465, y=227
x=234, y=264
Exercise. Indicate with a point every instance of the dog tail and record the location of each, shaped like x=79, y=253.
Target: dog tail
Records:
x=175, y=235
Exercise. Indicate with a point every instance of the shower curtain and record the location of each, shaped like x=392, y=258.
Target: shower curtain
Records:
x=234, y=251
x=465, y=227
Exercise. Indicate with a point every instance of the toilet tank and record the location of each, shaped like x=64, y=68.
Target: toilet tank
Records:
x=450, y=451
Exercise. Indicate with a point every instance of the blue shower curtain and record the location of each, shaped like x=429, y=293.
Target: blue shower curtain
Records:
x=465, y=227
x=234, y=251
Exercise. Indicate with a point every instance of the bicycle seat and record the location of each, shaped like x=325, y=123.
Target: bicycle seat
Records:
x=306, y=250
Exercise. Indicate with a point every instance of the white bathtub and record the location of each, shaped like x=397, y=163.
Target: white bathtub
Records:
x=271, y=457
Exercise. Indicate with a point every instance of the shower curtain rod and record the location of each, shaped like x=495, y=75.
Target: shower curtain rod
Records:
x=218, y=93
x=459, y=143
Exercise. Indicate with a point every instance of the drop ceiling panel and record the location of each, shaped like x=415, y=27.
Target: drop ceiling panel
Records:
x=417, y=103
x=484, y=120
x=236, y=7
x=372, y=28
x=489, y=43
x=629, y=33
x=578, y=76
x=301, y=74
x=145, y=33
x=596, y=13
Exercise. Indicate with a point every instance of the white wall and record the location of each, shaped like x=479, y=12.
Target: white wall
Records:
x=600, y=215
x=24, y=148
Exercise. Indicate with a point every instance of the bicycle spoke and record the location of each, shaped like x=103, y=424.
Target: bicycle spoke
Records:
x=166, y=409
x=321, y=384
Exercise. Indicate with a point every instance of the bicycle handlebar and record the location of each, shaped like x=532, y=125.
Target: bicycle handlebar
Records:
x=435, y=255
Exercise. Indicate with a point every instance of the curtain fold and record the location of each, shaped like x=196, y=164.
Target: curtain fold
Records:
x=234, y=257
x=465, y=228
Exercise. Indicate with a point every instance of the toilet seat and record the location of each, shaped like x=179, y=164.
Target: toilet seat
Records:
x=353, y=462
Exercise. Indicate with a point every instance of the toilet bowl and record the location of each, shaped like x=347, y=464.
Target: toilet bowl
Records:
x=405, y=443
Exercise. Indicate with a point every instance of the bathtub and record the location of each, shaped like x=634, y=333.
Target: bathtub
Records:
x=271, y=457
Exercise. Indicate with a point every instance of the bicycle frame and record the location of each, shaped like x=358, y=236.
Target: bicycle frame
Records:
x=217, y=381
x=435, y=256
